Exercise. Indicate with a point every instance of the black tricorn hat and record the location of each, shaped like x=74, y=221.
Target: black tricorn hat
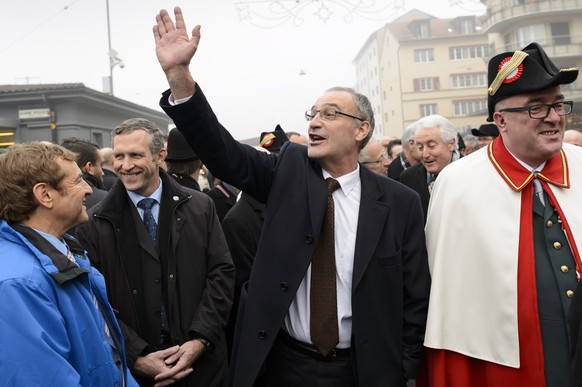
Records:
x=273, y=141
x=486, y=130
x=523, y=71
x=178, y=148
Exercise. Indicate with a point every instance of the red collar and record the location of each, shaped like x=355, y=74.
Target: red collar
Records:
x=555, y=171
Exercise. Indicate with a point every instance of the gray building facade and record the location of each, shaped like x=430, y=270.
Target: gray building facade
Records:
x=52, y=112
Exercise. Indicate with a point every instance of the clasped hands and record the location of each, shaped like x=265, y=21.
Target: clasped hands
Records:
x=170, y=365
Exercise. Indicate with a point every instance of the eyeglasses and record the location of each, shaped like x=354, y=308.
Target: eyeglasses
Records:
x=542, y=110
x=328, y=114
x=379, y=161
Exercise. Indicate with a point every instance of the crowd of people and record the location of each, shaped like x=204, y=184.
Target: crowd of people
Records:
x=334, y=259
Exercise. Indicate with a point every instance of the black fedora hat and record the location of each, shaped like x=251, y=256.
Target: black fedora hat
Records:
x=523, y=71
x=273, y=141
x=178, y=148
x=486, y=130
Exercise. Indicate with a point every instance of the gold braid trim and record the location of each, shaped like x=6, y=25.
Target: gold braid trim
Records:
x=507, y=69
x=267, y=138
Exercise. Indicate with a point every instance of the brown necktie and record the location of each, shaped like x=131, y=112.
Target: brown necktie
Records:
x=323, y=324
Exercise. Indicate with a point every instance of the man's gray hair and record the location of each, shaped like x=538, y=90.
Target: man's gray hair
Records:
x=446, y=129
x=408, y=134
x=363, y=107
x=133, y=124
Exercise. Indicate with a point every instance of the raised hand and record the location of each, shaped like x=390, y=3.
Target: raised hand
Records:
x=175, y=49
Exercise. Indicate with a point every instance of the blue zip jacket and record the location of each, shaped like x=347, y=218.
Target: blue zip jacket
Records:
x=51, y=332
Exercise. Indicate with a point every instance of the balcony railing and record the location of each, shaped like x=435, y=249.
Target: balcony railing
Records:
x=499, y=17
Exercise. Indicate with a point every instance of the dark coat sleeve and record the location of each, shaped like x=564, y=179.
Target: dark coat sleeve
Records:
x=575, y=323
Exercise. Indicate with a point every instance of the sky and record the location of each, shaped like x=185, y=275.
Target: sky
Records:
x=256, y=71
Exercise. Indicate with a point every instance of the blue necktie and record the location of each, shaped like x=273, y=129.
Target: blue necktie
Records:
x=148, y=218
x=152, y=229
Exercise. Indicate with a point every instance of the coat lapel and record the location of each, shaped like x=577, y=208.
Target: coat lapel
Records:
x=371, y=223
x=317, y=191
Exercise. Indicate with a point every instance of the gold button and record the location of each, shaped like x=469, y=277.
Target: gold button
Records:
x=564, y=269
x=570, y=293
x=549, y=224
x=557, y=245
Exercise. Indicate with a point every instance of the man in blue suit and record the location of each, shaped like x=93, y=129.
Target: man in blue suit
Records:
x=381, y=280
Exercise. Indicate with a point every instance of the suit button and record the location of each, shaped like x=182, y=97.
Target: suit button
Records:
x=134, y=291
x=557, y=245
x=564, y=269
x=283, y=286
x=262, y=334
x=570, y=293
x=549, y=224
x=157, y=280
x=308, y=239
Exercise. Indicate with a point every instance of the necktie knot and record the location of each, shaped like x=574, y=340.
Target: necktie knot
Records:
x=332, y=184
x=146, y=204
x=538, y=189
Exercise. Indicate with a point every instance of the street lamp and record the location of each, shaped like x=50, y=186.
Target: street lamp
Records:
x=114, y=59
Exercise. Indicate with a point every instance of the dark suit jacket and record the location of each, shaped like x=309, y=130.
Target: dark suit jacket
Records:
x=222, y=202
x=192, y=269
x=242, y=227
x=395, y=169
x=415, y=178
x=109, y=178
x=186, y=181
x=98, y=192
x=390, y=277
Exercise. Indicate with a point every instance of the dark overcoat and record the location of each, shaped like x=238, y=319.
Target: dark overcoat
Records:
x=391, y=280
x=198, y=274
x=415, y=178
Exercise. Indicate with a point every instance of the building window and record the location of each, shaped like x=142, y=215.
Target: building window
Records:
x=97, y=138
x=469, y=107
x=428, y=109
x=424, y=55
x=422, y=30
x=561, y=33
x=461, y=81
x=426, y=84
x=525, y=35
x=467, y=27
x=467, y=52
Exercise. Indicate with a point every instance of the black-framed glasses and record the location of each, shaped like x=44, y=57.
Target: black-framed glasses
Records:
x=542, y=110
x=328, y=114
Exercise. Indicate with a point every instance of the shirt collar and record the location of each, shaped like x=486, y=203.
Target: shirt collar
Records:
x=56, y=242
x=518, y=174
x=347, y=181
x=157, y=195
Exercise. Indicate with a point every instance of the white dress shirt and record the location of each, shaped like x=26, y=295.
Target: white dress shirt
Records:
x=346, y=210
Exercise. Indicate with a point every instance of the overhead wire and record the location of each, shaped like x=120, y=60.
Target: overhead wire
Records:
x=26, y=34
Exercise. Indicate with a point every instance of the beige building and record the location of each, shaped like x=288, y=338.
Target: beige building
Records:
x=428, y=66
x=418, y=64
x=556, y=25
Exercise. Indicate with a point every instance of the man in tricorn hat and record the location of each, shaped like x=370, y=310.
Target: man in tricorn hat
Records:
x=273, y=141
x=498, y=316
x=485, y=134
